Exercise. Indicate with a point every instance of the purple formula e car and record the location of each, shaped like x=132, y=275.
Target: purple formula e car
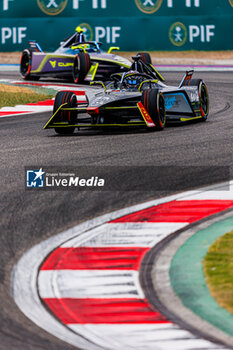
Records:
x=75, y=59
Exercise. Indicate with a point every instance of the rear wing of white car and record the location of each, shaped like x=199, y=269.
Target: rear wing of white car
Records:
x=188, y=76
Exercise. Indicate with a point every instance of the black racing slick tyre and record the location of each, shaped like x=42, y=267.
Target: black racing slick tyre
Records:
x=25, y=65
x=203, y=95
x=82, y=65
x=153, y=101
x=145, y=57
x=70, y=99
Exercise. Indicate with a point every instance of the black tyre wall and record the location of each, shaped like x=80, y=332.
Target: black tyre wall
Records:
x=145, y=57
x=70, y=99
x=82, y=64
x=153, y=101
x=25, y=64
x=203, y=95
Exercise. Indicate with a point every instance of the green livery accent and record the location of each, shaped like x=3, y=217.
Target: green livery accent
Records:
x=84, y=109
x=157, y=73
x=49, y=124
x=50, y=120
x=111, y=61
x=146, y=81
x=61, y=125
x=99, y=83
x=186, y=119
x=92, y=71
x=113, y=48
x=81, y=47
x=101, y=108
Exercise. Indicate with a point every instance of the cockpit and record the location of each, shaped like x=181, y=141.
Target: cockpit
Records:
x=133, y=81
x=77, y=42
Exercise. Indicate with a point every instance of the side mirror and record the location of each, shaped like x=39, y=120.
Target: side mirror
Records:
x=112, y=48
x=146, y=82
x=79, y=47
x=99, y=83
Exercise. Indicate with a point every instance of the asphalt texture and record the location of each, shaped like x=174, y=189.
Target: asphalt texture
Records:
x=27, y=217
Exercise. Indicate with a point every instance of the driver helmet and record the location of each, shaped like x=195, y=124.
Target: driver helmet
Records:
x=134, y=80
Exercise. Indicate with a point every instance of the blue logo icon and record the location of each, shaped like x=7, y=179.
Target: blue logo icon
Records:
x=169, y=102
x=35, y=178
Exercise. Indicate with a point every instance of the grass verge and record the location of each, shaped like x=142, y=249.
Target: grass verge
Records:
x=218, y=270
x=14, y=95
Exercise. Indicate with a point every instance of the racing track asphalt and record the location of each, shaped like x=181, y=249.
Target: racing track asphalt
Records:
x=27, y=217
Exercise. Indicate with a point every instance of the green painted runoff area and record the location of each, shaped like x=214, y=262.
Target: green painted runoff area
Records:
x=188, y=280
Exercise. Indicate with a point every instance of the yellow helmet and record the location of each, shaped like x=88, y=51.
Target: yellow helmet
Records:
x=79, y=29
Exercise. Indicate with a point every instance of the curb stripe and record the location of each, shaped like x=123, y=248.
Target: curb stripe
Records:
x=114, y=259
x=89, y=284
x=209, y=195
x=128, y=234
x=41, y=106
x=5, y=114
x=95, y=258
x=178, y=211
x=42, y=103
x=118, y=310
x=146, y=336
x=76, y=294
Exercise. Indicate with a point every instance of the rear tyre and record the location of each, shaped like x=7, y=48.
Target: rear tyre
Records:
x=153, y=101
x=82, y=64
x=203, y=96
x=65, y=116
x=145, y=57
x=25, y=65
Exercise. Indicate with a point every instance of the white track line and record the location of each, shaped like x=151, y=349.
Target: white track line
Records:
x=127, y=234
x=89, y=284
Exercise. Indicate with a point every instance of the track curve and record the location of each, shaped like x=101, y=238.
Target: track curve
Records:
x=29, y=217
x=94, y=269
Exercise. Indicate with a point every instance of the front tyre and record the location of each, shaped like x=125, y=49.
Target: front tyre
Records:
x=70, y=99
x=153, y=101
x=82, y=65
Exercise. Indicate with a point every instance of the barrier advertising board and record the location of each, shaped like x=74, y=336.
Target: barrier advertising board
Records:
x=132, y=24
